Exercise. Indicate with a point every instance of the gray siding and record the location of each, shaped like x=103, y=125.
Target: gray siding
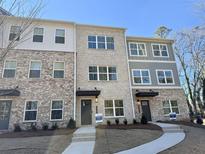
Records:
x=152, y=68
x=150, y=53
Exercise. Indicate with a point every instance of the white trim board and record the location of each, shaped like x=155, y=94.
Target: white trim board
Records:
x=151, y=61
x=156, y=87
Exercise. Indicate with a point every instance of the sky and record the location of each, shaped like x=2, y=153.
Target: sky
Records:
x=140, y=17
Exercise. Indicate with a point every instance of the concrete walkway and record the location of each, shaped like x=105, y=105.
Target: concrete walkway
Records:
x=83, y=141
x=173, y=135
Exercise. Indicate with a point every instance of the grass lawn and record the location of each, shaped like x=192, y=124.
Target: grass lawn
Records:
x=36, y=142
x=112, y=139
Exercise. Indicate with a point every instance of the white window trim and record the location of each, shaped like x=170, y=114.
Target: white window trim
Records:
x=165, y=77
x=15, y=33
x=60, y=36
x=39, y=35
x=170, y=107
x=30, y=110
x=30, y=68
x=114, y=114
x=141, y=77
x=160, y=50
x=11, y=69
x=59, y=69
x=98, y=73
x=96, y=42
x=145, y=55
x=56, y=109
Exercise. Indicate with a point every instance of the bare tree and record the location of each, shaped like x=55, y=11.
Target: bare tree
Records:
x=25, y=11
x=190, y=51
x=162, y=32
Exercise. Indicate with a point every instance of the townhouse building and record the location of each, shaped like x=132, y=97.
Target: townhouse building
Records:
x=65, y=70
x=155, y=84
x=37, y=76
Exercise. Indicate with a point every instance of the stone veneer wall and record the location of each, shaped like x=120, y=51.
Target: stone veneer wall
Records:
x=156, y=105
x=43, y=89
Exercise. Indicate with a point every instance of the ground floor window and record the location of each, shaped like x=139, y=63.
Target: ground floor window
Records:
x=170, y=106
x=30, y=111
x=57, y=110
x=114, y=108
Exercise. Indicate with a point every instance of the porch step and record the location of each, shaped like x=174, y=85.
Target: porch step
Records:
x=84, y=138
x=84, y=134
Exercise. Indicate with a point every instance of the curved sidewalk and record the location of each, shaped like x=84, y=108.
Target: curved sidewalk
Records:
x=173, y=135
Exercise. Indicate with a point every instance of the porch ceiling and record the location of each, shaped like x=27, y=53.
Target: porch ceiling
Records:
x=88, y=93
x=146, y=94
x=9, y=92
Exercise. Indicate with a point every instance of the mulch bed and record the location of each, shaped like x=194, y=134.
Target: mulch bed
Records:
x=186, y=123
x=130, y=126
x=37, y=133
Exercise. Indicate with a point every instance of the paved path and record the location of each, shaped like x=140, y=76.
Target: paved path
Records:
x=83, y=141
x=173, y=135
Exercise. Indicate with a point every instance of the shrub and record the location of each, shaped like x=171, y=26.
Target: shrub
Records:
x=71, y=124
x=54, y=126
x=45, y=126
x=125, y=121
x=108, y=122
x=117, y=121
x=199, y=120
x=134, y=121
x=143, y=119
x=33, y=127
x=17, y=128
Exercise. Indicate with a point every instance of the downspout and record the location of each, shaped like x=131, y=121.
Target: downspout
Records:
x=129, y=78
x=74, y=74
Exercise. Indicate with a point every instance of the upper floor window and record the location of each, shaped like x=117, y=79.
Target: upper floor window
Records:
x=35, y=69
x=38, y=34
x=102, y=73
x=30, y=112
x=60, y=36
x=170, y=106
x=14, y=33
x=114, y=108
x=100, y=42
x=9, y=69
x=160, y=50
x=57, y=110
x=58, y=70
x=165, y=77
x=137, y=49
x=141, y=76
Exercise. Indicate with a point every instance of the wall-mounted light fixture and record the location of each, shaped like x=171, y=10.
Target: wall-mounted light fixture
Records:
x=138, y=105
x=96, y=99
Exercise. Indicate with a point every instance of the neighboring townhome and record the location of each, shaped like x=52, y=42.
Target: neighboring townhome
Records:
x=102, y=75
x=155, y=82
x=37, y=76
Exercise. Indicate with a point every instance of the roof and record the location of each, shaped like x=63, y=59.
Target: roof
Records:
x=9, y=92
x=88, y=93
x=149, y=39
x=4, y=12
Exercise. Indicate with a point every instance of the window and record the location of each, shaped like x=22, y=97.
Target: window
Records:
x=92, y=42
x=14, y=33
x=57, y=110
x=165, y=77
x=58, y=70
x=137, y=49
x=93, y=73
x=30, y=111
x=141, y=76
x=105, y=73
x=38, y=34
x=60, y=36
x=9, y=69
x=114, y=108
x=170, y=106
x=100, y=42
x=160, y=50
x=35, y=69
